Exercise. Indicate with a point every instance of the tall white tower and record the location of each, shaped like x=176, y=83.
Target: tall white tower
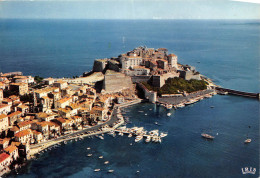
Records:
x=173, y=60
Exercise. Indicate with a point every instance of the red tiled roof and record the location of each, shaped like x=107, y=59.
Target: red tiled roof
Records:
x=15, y=113
x=11, y=149
x=4, y=156
x=23, y=133
x=2, y=116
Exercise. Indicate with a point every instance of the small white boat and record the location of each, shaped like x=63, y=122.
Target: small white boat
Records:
x=121, y=133
x=180, y=105
x=102, y=138
x=130, y=135
x=154, y=132
x=169, y=114
x=100, y=157
x=89, y=155
x=145, y=114
x=138, y=138
x=106, y=162
x=110, y=171
x=88, y=148
x=163, y=135
x=148, y=139
x=248, y=140
x=96, y=170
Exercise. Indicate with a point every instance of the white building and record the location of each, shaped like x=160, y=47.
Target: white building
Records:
x=3, y=122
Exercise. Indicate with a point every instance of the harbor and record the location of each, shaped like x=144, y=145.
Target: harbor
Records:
x=181, y=101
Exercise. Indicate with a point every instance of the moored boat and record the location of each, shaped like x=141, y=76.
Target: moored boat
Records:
x=138, y=138
x=148, y=139
x=110, y=171
x=96, y=170
x=163, y=134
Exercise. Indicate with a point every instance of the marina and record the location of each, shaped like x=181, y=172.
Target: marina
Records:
x=141, y=134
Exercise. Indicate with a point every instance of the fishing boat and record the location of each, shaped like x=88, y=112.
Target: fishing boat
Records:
x=169, y=106
x=100, y=157
x=181, y=105
x=96, y=170
x=163, y=135
x=88, y=148
x=248, y=140
x=110, y=171
x=106, y=162
x=148, y=139
x=89, y=155
x=138, y=138
x=154, y=132
x=207, y=136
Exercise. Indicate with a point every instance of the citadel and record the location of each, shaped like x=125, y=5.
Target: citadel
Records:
x=143, y=64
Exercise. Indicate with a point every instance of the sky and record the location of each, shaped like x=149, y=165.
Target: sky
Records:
x=130, y=9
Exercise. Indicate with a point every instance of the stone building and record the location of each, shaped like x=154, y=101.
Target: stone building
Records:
x=20, y=88
x=115, y=81
x=3, y=122
x=173, y=60
x=60, y=84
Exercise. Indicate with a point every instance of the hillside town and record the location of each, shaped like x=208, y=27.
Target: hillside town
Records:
x=33, y=112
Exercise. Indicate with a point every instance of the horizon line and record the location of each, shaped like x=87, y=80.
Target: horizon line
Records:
x=116, y=19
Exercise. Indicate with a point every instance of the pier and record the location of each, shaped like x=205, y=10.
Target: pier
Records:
x=238, y=93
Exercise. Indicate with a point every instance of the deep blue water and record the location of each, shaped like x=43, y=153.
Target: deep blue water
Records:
x=228, y=52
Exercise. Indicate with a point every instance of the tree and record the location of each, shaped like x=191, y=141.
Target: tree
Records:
x=38, y=79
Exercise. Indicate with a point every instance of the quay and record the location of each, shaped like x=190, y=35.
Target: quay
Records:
x=238, y=93
x=180, y=101
x=115, y=121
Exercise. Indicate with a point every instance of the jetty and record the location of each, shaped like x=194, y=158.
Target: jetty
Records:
x=238, y=93
x=140, y=133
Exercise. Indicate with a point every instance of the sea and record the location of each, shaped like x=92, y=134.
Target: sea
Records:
x=227, y=51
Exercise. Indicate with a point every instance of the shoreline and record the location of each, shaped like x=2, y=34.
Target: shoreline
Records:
x=181, y=101
x=43, y=146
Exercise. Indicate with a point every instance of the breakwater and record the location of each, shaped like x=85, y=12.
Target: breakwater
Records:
x=238, y=93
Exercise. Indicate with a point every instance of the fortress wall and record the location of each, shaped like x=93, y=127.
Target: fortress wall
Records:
x=150, y=95
x=140, y=78
x=99, y=65
x=116, y=82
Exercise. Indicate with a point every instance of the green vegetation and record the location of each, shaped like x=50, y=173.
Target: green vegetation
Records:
x=38, y=79
x=173, y=85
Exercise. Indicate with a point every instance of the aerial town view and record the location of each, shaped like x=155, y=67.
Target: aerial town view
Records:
x=146, y=96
